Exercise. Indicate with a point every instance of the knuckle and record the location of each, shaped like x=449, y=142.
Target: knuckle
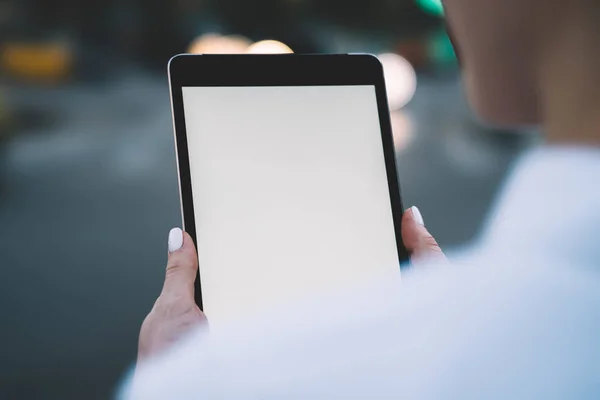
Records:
x=179, y=261
x=173, y=261
x=173, y=306
x=172, y=268
x=431, y=243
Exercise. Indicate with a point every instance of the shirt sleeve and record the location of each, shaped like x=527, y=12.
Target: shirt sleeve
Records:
x=299, y=351
x=450, y=333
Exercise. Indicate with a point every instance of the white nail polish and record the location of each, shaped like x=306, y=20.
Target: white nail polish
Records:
x=175, y=239
x=417, y=216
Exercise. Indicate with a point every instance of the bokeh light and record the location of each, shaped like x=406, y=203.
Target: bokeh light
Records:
x=40, y=62
x=434, y=7
x=402, y=129
x=441, y=50
x=212, y=43
x=400, y=80
x=269, y=47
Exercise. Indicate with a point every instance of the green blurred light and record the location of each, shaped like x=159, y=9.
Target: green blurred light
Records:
x=441, y=49
x=432, y=6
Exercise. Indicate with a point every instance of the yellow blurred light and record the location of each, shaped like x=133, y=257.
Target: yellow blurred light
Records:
x=204, y=43
x=400, y=80
x=269, y=47
x=216, y=44
x=45, y=61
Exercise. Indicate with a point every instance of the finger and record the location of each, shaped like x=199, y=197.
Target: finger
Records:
x=182, y=265
x=417, y=239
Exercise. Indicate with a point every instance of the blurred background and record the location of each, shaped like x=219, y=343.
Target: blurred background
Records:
x=88, y=185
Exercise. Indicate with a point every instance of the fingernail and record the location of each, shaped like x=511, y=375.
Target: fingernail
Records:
x=175, y=239
x=417, y=216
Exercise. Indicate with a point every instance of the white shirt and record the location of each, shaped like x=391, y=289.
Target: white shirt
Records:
x=516, y=317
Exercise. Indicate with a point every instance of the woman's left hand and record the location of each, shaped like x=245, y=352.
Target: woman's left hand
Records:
x=175, y=312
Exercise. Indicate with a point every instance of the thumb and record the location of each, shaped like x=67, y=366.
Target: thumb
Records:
x=417, y=239
x=182, y=265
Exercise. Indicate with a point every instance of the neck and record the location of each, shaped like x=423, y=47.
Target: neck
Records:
x=570, y=78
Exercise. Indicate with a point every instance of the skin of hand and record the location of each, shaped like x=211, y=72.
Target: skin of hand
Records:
x=175, y=312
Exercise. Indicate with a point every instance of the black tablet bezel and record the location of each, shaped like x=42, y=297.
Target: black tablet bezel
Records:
x=277, y=70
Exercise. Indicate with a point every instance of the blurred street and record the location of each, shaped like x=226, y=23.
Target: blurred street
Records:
x=88, y=181
x=83, y=217
x=87, y=203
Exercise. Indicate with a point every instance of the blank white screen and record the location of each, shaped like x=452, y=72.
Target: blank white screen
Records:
x=290, y=192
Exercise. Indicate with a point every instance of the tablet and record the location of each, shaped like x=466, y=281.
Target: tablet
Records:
x=287, y=175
